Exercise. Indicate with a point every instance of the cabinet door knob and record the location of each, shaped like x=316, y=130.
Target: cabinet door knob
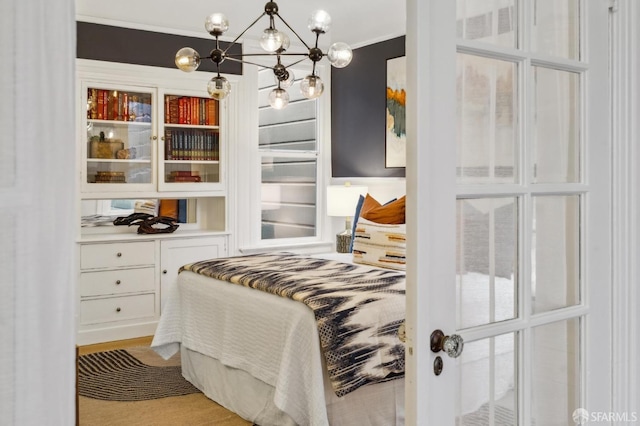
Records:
x=154, y=138
x=164, y=271
x=118, y=309
x=118, y=282
x=119, y=254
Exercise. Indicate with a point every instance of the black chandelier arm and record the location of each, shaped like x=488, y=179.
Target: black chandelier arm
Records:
x=296, y=62
x=292, y=30
x=266, y=66
x=250, y=63
x=242, y=33
x=236, y=55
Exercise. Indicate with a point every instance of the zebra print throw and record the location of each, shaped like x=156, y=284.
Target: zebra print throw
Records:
x=358, y=309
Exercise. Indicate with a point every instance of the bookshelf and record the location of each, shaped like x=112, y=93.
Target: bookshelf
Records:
x=124, y=153
x=146, y=136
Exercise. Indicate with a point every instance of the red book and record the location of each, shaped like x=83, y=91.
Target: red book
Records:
x=174, y=110
x=185, y=179
x=105, y=104
x=185, y=173
x=194, y=111
x=167, y=118
x=125, y=107
x=100, y=107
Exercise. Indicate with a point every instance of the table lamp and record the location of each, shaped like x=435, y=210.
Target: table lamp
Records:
x=342, y=201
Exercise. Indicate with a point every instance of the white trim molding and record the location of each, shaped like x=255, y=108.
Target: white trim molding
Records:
x=625, y=51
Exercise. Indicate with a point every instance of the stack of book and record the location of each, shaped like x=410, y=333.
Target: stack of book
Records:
x=190, y=110
x=184, y=176
x=192, y=144
x=110, y=177
x=118, y=105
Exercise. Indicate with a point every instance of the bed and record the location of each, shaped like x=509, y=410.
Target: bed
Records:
x=263, y=357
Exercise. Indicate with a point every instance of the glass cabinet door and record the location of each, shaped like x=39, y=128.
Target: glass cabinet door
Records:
x=119, y=135
x=190, y=150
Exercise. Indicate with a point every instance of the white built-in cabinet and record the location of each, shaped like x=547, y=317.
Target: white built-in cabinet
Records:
x=147, y=136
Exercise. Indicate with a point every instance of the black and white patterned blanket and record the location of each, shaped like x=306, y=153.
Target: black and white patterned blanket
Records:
x=358, y=309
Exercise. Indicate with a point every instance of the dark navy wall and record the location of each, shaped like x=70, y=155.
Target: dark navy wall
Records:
x=126, y=45
x=358, y=112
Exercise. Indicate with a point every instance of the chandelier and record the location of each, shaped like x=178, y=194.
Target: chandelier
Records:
x=275, y=43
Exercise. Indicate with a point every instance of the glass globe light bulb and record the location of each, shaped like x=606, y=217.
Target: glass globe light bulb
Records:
x=271, y=40
x=286, y=41
x=187, y=59
x=311, y=86
x=320, y=21
x=218, y=87
x=278, y=98
x=340, y=54
x=287, y=80
x=216, y=24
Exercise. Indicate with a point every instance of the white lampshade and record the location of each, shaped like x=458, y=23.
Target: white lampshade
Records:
x=342, y=199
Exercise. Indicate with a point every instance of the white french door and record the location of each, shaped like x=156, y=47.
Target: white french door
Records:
x=508, y=183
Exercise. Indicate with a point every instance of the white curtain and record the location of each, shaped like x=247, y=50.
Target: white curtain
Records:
x=37, y=212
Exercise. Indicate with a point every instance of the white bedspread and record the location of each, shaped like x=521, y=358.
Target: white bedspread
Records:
x=287, y=355
x=291, y=341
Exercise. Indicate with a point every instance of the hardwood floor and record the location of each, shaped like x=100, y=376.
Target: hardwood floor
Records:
x=118, y=344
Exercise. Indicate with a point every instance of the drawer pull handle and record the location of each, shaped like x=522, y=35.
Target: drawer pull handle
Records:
x=118, y=282
x=164, y=271
x=118, y=309
x=119, y=254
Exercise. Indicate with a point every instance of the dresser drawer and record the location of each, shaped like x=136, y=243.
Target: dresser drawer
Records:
x=117, y=309
x=104, y=283
x=113, y=255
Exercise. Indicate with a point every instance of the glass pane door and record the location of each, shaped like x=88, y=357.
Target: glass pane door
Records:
x=119, y=136
x=519, y=264
x=521, y=212
x=191, y=146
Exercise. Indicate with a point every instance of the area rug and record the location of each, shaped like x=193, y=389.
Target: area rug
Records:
x=119, y=376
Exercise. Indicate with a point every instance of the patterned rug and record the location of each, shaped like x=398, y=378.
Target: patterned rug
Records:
x=119, y=376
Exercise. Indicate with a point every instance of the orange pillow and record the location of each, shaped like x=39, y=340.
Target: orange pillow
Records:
x=369, y=203
x=391, y=213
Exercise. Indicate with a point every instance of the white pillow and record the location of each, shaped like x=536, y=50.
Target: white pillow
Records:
x=380, y=244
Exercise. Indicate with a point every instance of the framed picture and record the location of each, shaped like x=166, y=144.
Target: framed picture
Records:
x=396, y=128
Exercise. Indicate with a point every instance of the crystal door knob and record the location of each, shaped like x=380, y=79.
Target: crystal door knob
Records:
x=451, y=345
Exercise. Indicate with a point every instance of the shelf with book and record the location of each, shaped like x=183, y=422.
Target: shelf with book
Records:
x=119, y=149
x=122, y=151
x=118, y=105
x=191, y=148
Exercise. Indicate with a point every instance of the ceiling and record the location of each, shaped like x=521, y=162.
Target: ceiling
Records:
x=355, y=22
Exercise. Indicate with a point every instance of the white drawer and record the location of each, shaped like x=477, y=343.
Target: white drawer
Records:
x=117, y=309
x=104, y=283
x=112, y=255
